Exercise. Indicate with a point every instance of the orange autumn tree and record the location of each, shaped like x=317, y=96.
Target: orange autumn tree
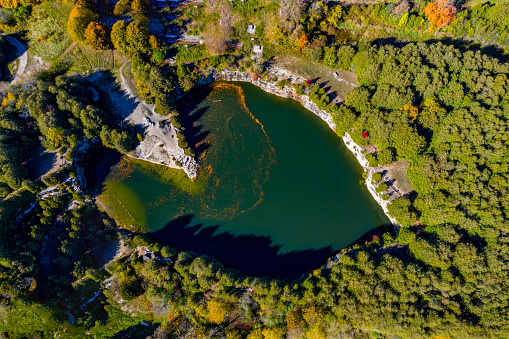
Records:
x=440, y=13
x=303, y=41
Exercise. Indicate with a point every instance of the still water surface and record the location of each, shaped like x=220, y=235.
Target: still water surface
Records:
x=277, y=193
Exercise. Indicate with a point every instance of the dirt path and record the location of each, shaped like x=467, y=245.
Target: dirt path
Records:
x=71, y=46
x=22, y=56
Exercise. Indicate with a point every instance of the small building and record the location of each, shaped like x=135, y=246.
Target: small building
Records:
x=251, y=29
x=257, y=50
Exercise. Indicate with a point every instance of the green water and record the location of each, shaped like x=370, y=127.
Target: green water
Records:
x=270, y=169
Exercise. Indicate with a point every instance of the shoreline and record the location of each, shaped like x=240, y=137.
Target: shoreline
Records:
x=289, y=92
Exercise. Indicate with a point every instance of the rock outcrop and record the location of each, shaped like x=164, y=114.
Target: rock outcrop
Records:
x=160, y=146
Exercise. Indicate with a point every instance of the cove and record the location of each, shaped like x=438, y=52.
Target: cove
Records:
x=277, y=191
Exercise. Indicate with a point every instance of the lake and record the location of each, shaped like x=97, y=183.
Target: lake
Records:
x=277, y=191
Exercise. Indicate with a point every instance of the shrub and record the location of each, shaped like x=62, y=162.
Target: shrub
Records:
x=30, y=185
x=405, y=236
x=4, y=190
x=298, y=89
x=52, y=179
x=168, y=252
x=175, y=121
x=377, y=177
x=385, y=156
x=371, y=160
x=131, y=289
x=182, y=142
x=282, y=83
x=382, y=187
x=387, y=239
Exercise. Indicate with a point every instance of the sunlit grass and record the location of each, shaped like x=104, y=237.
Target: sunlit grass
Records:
x=47, y=33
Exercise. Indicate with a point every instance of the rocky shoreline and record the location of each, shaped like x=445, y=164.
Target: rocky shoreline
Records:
x=290, y=92
x=160, y=140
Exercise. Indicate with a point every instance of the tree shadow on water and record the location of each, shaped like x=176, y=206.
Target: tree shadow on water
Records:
x=190, y=115
x=250, y=255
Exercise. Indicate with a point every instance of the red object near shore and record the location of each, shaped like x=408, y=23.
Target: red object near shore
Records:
x=365, y=135
x=308, y=82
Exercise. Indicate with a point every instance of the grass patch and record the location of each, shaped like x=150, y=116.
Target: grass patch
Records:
x=85, y=58
x=48, y=29
x=118, y=320
x=21, y=320
x=312, y=70
x=129, y=79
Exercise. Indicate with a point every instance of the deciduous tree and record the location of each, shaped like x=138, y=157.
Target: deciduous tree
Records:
x=217, y=311
x=79, y=19
x=118, y=36
x=140, y=6
x=137, y=35
x=97, y=36
x=440, y=13
x=122, y=7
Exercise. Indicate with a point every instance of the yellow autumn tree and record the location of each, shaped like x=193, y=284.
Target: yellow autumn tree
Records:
x=413, y=111
x=316, y=332
x=122, y=7
x=294, y=320
x=9, y=3
x=79, y=19
x=55, y=136
x=118, y=36
x=314, y=317
x=311, y=315
x=8, y=99
x=137, y=35
x=140, y=6
x=154, y=43
x=97, y=36
x=255, y=334
x=17, y=3
x=217, y=311
x=273, y=333
x=233, y=334
x=141, y=88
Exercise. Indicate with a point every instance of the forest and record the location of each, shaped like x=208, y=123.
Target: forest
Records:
x=433, y=91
